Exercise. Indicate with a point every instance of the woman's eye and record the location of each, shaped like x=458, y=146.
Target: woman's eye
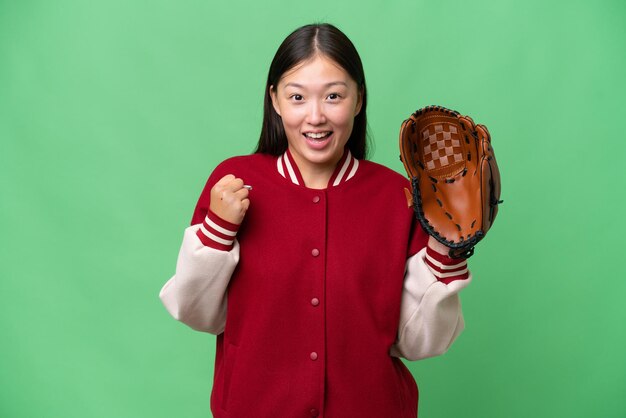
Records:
x=296, y=97
x=333, y=96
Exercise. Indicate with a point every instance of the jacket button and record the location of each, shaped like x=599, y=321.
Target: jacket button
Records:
x=314, y=356
x=315, y=301
x=315, y=252
x=316, y=199
x=315, y=413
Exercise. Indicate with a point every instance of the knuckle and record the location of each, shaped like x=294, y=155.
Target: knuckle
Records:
x=224, y=179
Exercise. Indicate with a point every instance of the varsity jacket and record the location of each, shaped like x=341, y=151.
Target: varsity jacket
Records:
x=316, y=295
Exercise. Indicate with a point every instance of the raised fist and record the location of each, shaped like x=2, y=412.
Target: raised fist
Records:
x=229, y=199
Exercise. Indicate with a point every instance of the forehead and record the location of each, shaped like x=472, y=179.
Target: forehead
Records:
x=318, y=70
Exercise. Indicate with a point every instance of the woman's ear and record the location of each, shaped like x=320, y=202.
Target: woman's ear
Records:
x=359, y=102
x=274, y=100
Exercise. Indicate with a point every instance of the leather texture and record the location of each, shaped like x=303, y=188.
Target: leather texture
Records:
x=454, y=175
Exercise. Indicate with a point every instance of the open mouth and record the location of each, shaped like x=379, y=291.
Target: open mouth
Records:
x=317, y=136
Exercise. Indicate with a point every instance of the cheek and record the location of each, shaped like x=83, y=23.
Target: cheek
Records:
x=343, y=117
x=292, y=124
x=292, y=119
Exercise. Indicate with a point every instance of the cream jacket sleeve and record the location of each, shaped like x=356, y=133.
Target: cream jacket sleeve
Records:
x=196, y=294
x=430, y=312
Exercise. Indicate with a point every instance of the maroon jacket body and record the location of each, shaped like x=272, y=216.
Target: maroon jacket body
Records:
x=314, y=302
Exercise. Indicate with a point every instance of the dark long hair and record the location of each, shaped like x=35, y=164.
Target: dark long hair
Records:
x=301, y=45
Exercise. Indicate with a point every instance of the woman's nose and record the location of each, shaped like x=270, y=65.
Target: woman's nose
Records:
x=315, y=115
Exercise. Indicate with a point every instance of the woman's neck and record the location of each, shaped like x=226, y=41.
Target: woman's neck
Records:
x=316, y=176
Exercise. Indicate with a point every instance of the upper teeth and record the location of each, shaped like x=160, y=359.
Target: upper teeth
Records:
x=317, y=135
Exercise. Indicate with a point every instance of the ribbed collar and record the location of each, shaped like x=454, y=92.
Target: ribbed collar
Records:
x=345, y=170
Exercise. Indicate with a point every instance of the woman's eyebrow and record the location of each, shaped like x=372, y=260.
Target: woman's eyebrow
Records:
x=300, y=86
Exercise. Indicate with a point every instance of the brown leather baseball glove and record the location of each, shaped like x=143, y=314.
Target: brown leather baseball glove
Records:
x=454, y=175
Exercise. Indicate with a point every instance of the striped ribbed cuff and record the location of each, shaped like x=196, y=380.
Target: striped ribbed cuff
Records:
x=217, y=233
x=445, y=268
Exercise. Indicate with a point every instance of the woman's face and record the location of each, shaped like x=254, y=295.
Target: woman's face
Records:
x=317, y=101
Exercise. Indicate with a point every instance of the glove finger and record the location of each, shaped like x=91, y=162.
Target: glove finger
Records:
x=467, y=122
x=408, y=147
x=483, y=132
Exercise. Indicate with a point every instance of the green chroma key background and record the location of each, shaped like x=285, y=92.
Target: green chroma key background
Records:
x=113, y=113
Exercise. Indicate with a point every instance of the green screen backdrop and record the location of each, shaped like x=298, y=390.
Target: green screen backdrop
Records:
x=113, y=113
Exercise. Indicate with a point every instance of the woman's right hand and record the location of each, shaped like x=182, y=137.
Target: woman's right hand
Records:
x=229, y=199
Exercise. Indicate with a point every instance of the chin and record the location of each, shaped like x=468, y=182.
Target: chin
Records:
x=325, y=157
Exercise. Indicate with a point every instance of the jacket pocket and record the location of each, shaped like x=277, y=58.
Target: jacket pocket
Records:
x=229, y=365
